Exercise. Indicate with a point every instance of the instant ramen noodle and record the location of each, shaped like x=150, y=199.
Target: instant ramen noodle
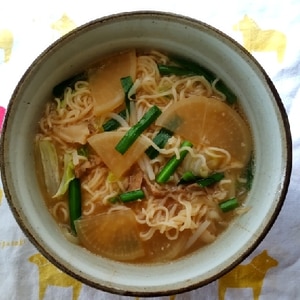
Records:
x=144, y=157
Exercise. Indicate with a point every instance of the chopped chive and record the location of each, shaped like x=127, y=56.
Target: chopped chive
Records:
x=204, y=182
x=136, y=130
x=168, y=170
x=132, y=195
x=194, y=68
x=127, y=83
x=188, y=68
x=230, y=96
x=128, y=196
x=59, y=89
x=74, y=202
x=113, y=124
x=188, y=177
x=160, y=140
x=229, y=205
x=114, y=199
x=249, y=173
x=83, y=151
x=174, y=70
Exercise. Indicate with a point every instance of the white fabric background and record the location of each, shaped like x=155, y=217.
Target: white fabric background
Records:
x=30, y=21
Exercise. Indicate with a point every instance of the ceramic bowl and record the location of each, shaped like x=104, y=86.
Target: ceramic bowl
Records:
x=182, y=36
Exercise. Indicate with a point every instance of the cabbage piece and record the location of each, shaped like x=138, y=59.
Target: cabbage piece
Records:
x=68, y=175
x=76, y=133
x=49, y=162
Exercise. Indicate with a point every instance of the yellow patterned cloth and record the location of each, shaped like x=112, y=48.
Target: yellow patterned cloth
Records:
x=269, y=30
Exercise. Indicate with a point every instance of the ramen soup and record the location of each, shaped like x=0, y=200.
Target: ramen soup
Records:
x=144, y=157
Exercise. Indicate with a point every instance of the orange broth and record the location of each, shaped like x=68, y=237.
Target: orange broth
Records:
x=173, y=218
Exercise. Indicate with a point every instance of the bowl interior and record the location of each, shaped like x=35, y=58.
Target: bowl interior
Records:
x=181, y=36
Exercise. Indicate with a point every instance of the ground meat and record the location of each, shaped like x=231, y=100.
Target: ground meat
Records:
x=84, y=166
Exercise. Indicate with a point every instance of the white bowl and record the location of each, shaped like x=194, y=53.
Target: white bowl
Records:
x=179, y=35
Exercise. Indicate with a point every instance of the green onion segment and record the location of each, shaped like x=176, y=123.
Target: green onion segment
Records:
x=188, y=68
x=188, y=178
x=249, y=173
x=229, y=205
x=160, y=140
x=127, y=83
x=129, y=196
x=174, y=70
x=83, y=151
x=168, y=170
x=74, y=202
x=113, y=124
x=136, y=130
x=216, y=177
x=59, y=89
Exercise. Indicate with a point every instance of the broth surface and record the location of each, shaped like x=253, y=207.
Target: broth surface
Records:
x=144, y=157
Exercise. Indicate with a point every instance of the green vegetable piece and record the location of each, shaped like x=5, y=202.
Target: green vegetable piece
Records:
x=68, y=175
x=195, y=68
x=136, y=130
x=188, y=177
x=249, y=173
x=113, y=124
x=58, y=90
x=168, y=170
x=114, y=199
x=188, y=68
x=128, y=196
x=127, y=83
x=50, y=166
x=231, y=98
x=229, y=205
x=174, y=70
x=74, y=202
x=83, y=151
x=132, y=196
x=212, y=179
x=160, y=140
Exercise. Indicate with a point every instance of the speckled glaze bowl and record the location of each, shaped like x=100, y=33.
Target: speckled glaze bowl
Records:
x=182, y=36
